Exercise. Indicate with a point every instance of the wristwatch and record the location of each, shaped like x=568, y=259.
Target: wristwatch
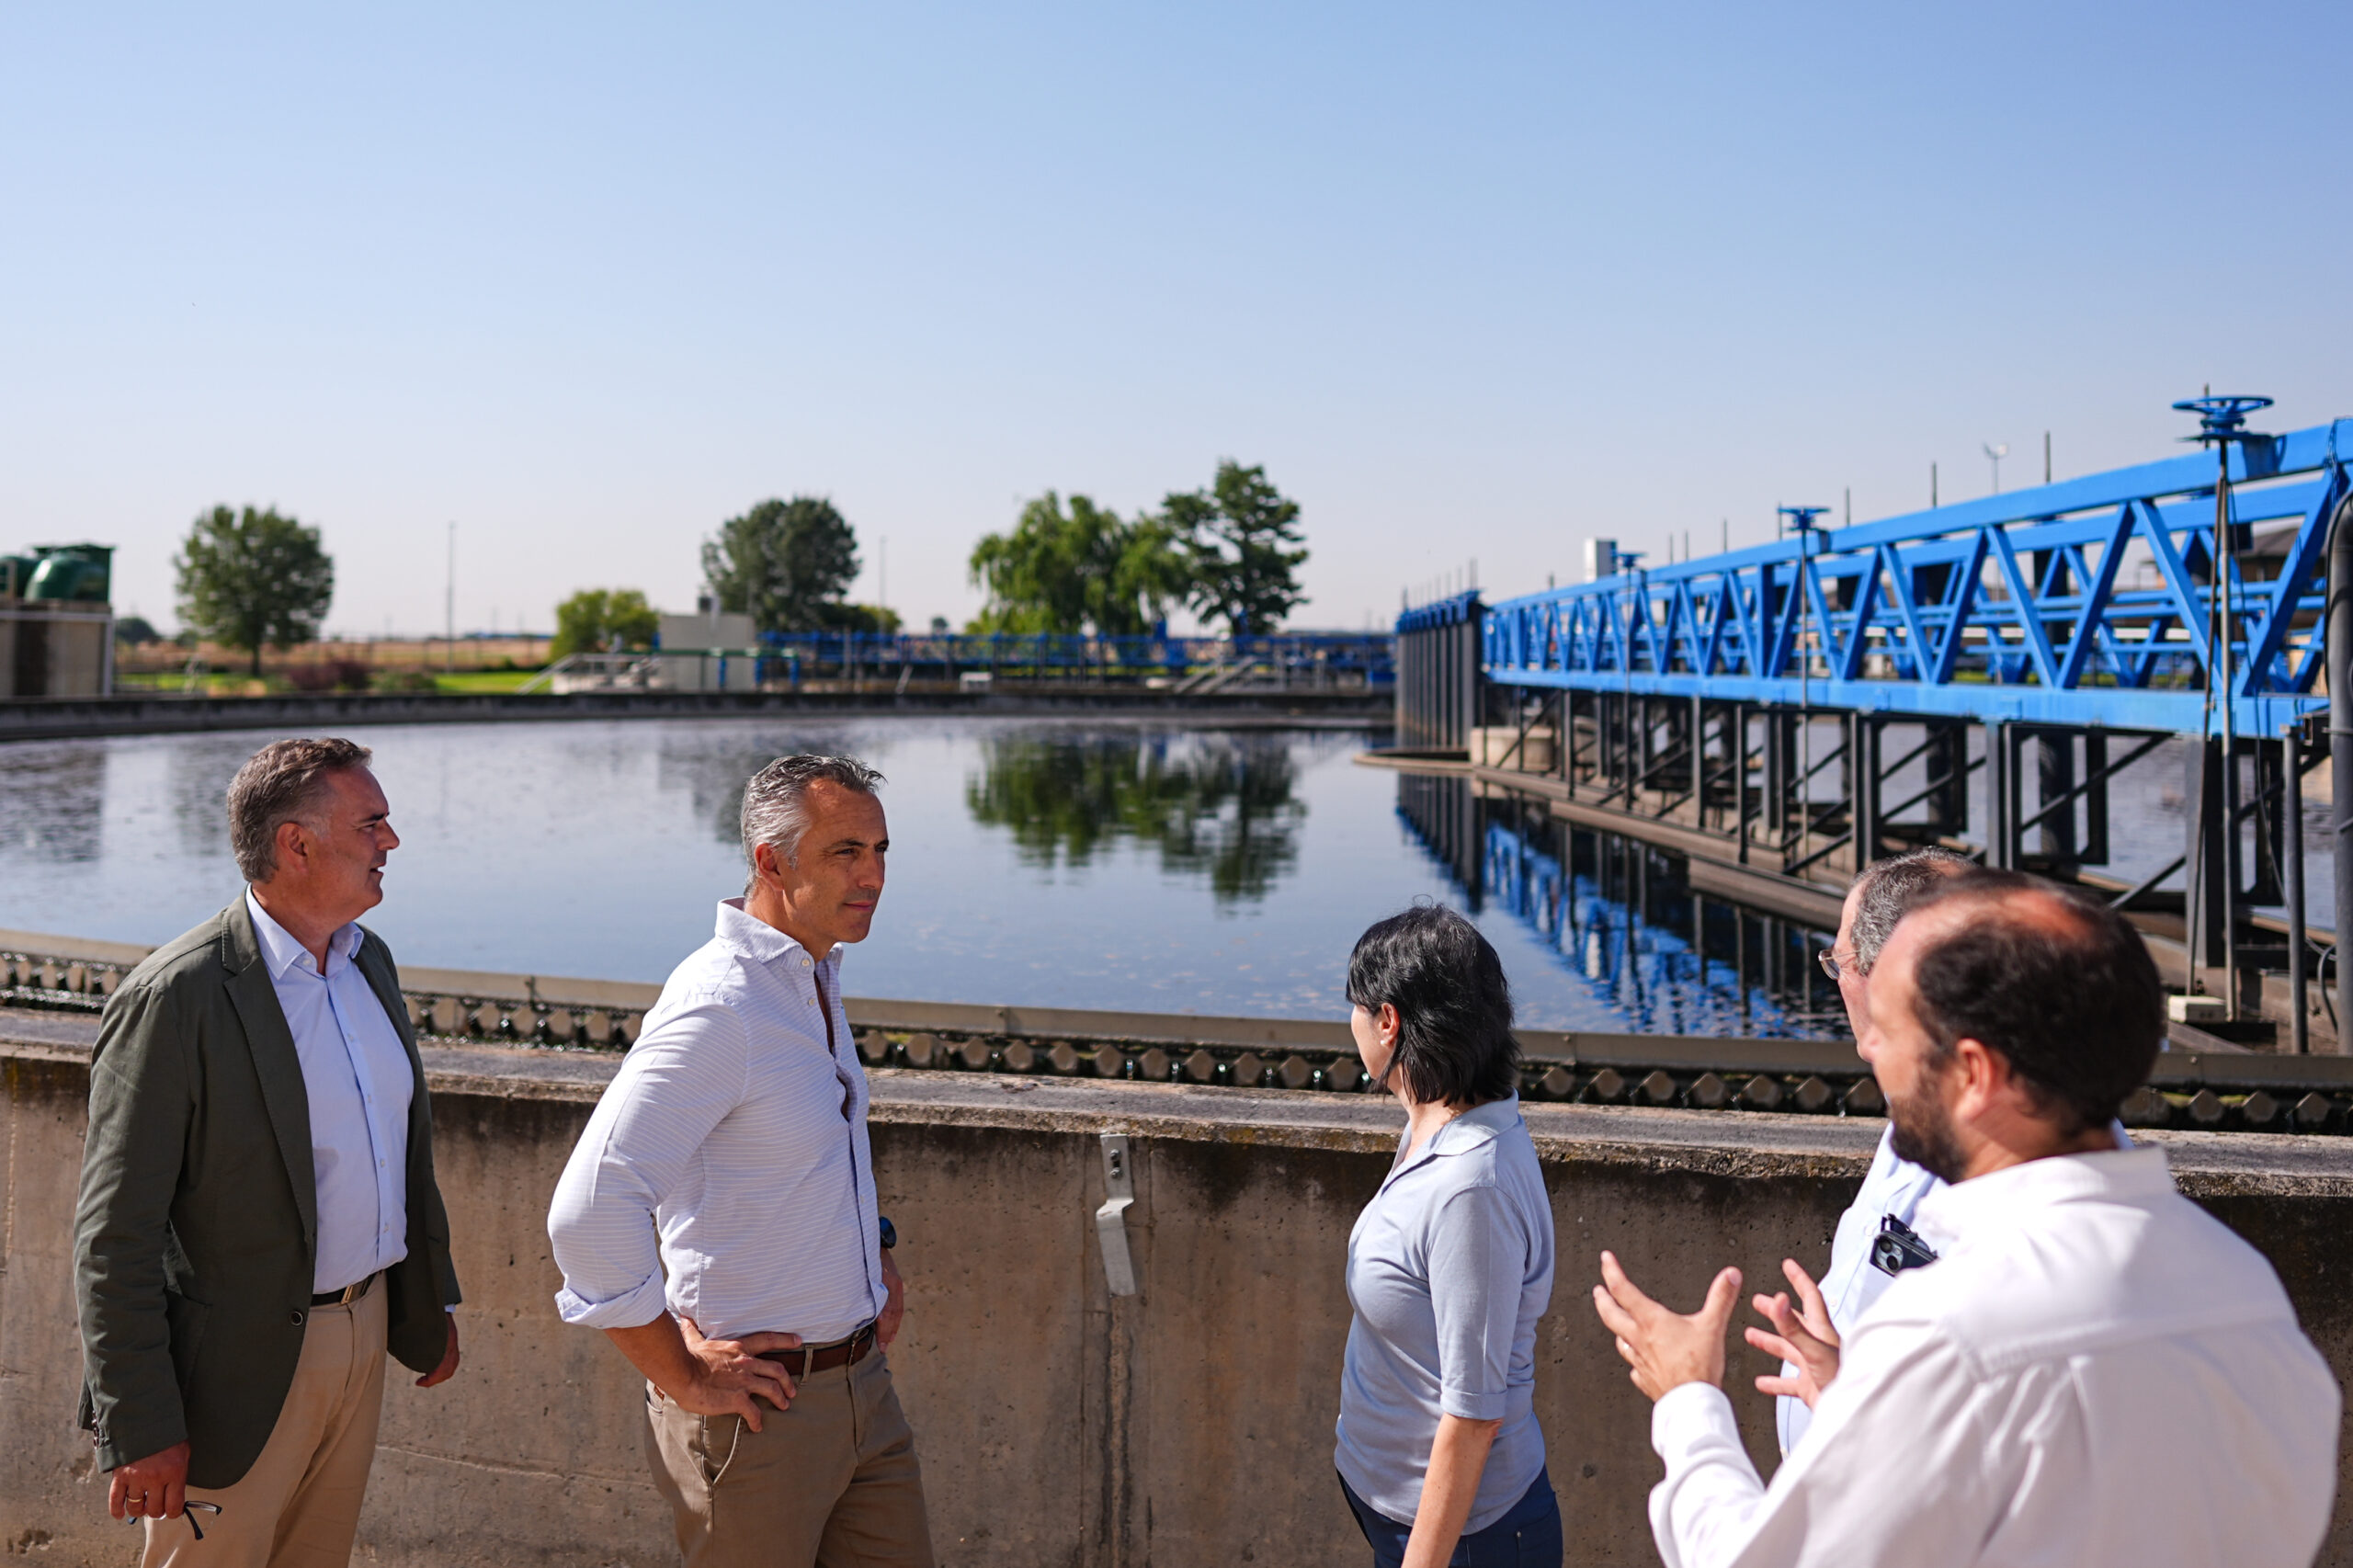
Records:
x=890, y=1232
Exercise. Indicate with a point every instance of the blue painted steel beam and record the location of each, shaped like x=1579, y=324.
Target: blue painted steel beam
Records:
x=1960, y=612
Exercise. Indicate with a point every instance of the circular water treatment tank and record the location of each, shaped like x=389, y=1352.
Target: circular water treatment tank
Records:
x=79, y=574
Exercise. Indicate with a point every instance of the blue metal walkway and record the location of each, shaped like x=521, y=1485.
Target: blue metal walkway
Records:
x=2086, y=603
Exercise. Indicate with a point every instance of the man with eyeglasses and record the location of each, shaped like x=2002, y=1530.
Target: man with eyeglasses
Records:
x=2097, y=1370
x=1894, y=1187
x=1875, y=1241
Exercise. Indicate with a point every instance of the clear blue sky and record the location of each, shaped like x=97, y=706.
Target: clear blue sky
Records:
x=1470, y=281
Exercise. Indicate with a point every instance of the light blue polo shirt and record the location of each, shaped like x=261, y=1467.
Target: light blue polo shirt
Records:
x=1449, y=1267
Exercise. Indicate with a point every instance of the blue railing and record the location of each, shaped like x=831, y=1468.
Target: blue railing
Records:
x=2016, y=607
x=1303, y=655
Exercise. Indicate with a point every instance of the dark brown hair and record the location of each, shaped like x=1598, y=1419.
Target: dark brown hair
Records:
x=2057, y=981
x=1454, y=1040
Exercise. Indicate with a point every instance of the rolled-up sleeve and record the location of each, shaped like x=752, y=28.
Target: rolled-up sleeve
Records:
x=1478, y=1262
x=681, y=1079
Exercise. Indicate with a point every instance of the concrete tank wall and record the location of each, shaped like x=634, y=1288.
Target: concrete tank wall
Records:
x=1190, y=1424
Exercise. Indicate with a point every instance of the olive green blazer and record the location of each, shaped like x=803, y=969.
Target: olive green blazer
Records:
x=196, y=1233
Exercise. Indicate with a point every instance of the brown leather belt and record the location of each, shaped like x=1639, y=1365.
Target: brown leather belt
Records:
x=824, y=1358
x=344, y=1297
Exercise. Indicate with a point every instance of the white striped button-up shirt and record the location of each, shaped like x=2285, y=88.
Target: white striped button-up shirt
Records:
x=731, y=1149
x=356, y=1076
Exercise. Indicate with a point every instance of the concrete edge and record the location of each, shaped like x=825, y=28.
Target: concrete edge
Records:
x=1743, y=1144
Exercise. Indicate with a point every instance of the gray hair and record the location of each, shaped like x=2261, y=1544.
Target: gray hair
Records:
x=281, y=783
x=1890, y=888
x=776, y=802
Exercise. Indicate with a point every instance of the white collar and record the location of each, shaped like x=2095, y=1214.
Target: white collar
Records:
x=763, y=941
x=280, y=950
x=1996, y=1201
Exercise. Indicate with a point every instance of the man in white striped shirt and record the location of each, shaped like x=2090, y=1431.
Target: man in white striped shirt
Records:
x=731, y=1154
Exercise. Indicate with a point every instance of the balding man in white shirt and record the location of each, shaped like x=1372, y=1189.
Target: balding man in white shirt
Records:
x=2094, y=1370
x=717, y=1219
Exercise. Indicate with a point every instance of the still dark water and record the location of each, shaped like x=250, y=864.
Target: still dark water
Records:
x=1051, y=864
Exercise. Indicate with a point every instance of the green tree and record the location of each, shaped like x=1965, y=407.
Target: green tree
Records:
x=589, y=621
x=248, y=578
x=1240, y=532
x=1078, y=569
x=846, y=616
x=788, y=564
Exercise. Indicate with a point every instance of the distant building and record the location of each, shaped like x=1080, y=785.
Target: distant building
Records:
x=712, y=651
x=56, y=622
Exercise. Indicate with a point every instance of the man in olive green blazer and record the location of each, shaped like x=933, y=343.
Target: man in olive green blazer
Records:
x=222, y=1350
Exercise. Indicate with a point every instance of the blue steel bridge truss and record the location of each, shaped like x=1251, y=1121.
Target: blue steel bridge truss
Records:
x=2087, y=603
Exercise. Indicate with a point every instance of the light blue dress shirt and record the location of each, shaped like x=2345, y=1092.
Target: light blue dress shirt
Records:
x=1892, y=1186
x=1449, y=1267
x=356, y=1074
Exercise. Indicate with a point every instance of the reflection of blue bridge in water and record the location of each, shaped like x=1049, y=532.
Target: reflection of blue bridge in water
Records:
x=1624, y=917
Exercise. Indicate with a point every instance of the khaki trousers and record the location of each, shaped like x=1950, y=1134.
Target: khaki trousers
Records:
x=832, y=1483
x=299, y=1507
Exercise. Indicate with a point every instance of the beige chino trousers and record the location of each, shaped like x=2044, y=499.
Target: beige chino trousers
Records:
x=832, y=1483
x=299, y=1507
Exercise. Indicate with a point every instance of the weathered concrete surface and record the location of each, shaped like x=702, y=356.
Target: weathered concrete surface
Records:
x=1189, y=1425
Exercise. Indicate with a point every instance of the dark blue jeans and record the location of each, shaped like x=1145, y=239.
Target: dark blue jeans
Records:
x=1528, y=1535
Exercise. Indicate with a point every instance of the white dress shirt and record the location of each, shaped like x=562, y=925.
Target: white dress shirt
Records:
x=1892, y=1188
x=356, y=1074
x=731, y=1149
x=2096, y=1370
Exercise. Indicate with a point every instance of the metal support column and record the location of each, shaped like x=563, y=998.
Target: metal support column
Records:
x=2207, y=900
x=2001, y=797
x=2055, y=778
x=1863, y=769
x=2292, y=870
x=2339, y=666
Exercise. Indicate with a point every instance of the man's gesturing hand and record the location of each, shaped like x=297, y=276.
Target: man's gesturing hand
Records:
x=1806, y=1339
x=156, y=1486
x=1664, y=1348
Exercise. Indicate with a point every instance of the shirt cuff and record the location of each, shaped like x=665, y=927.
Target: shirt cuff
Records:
x=1689, y=1417
x=631, y=1309
x=1471, y=1406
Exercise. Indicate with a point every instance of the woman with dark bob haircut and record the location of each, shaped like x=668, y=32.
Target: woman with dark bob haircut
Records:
x=1450, y=1266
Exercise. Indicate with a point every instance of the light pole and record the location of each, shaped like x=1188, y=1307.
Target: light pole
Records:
x=1996, y=454
x=450, y=607
x=2222, y=425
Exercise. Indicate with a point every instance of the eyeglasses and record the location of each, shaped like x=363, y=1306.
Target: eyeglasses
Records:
x=1830, y=965
x=188, y=1507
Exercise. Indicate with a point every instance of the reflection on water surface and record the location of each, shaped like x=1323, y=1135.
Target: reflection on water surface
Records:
x=1126, y=867
x=1620, y=919
x=1217, y=806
